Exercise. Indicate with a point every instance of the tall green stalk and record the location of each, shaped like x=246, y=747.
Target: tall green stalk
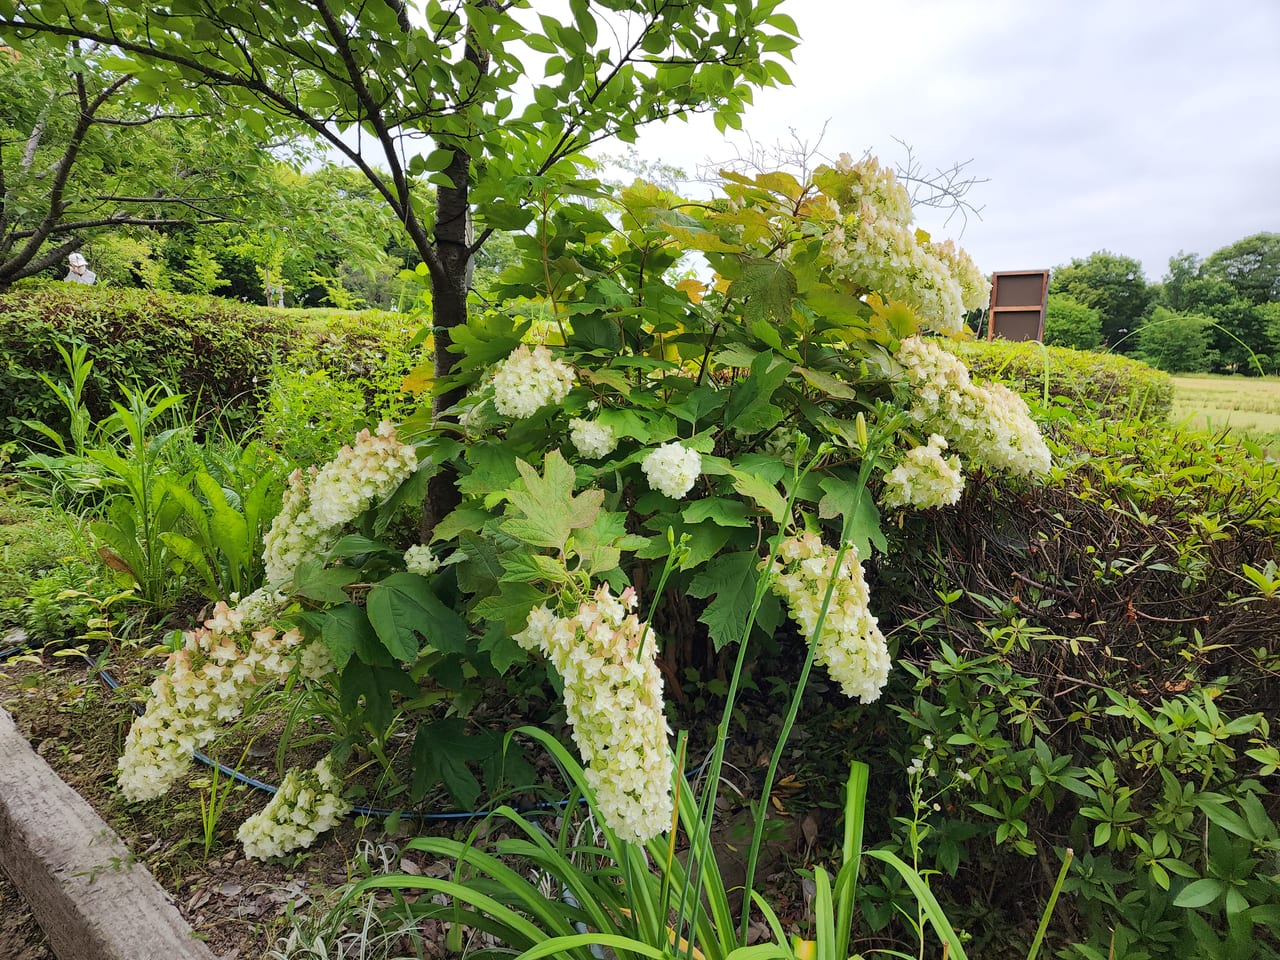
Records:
x=793, y=710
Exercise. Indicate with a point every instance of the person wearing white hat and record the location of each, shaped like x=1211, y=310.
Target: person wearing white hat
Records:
x=79, y=271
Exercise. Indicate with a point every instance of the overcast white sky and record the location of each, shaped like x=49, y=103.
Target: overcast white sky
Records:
x=1144, y=127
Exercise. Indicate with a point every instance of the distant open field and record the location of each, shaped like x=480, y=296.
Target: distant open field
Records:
x=1245, y=405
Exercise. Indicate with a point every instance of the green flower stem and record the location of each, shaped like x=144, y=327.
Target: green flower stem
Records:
x=706, y=805
x=784, y=735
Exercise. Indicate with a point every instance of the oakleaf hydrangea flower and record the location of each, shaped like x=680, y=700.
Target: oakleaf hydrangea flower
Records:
x=613, y=697
x=295, y=533
x=313, y=513
x=672, y=469
x=592, y=438
x=850, y=645
x=529, y=380
x=203, y=684
x=315, y=661
x=360, y=475
x=305, y=806
x=421, y=560
x=987, y=423
x=924, y=478
x=872, y=245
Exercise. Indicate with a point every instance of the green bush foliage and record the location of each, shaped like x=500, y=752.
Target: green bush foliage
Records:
x=215, y=350
x=220, y=353
x=1099, y=654
x=1069, y=323
x=1094, y=385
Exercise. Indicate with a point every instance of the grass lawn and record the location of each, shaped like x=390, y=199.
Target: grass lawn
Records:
x=1249, y=406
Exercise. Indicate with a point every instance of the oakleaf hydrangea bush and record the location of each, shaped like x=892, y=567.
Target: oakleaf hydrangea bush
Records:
x=729, y=435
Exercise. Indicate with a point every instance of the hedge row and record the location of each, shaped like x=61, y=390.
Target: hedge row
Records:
x=1096, y=385
x=219, y=351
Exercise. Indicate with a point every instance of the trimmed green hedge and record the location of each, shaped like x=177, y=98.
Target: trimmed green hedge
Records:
x=1096, y=385
x=219, y=351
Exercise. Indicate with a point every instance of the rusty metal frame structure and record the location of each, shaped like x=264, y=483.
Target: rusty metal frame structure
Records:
x=1017, y=305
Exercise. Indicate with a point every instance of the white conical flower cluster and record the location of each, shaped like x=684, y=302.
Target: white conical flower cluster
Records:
x=874, y=246
x=613, y=697
x=313, y=513
x=988, y=423
x=305, y=806
x=924, y=478
x=202, y=685
x=850, y=645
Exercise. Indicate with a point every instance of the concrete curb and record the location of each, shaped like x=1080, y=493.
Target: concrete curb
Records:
x=85, y=890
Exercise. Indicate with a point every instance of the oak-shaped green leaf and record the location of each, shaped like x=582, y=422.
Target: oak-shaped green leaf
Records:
x=548, y=505
x=732, y=579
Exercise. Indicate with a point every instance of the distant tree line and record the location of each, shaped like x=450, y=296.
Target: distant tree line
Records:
x=1216, y=315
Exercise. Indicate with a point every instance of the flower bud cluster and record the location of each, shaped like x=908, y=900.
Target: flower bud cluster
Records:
x=672, y=469
x=528, y=380
x=613, y=696
x=988, y=423
x=202, y=685
x=924, y=478
x=313, y=514
x=420, y=559
x=305, y=806
x=850, y=645
x=592, y=438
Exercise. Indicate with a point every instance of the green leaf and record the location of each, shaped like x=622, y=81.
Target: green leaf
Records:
x=441, y=752
x=550, y=509
x=750, y=408
x=346, y=631
x=849, y=501
x=1199, y=894
x=504, y=652
x=732, y=578
x=719, y=510
x=355, y=545
x=364, y=692
x=402, y=607
x=323, y=584
x=768, y=288
x=765, y=494
x=510, y=606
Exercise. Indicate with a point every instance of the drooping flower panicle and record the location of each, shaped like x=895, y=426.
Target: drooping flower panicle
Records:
x=203, y=684
x=305, y=806
x=872, y=245
x=924, y=478
x=850, y=644
x=613, y=696
x=313, y=513
x=987, y=423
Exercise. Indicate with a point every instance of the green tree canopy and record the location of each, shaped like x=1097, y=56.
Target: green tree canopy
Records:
x=82, y=153
x=1251, y=267
x=1068, y=323
x=378, y=82
x=1114, y=286
x=1176, y=342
